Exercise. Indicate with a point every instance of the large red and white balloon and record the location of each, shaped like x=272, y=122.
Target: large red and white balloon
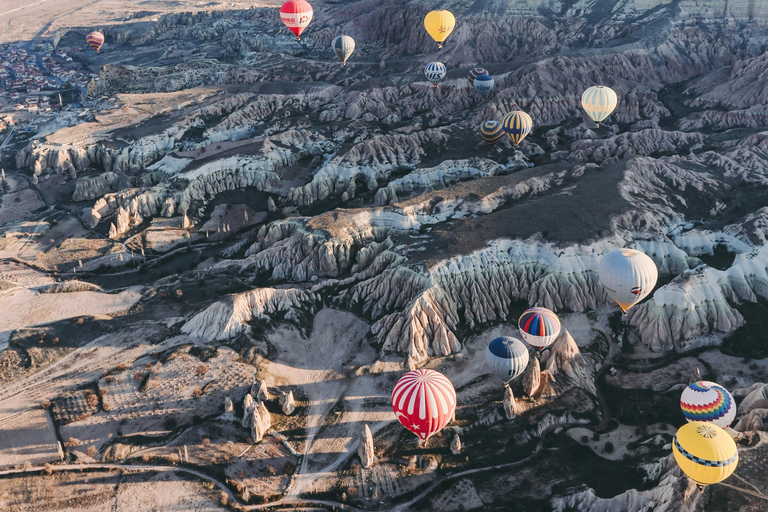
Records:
x=296, y=15
x=424, y=402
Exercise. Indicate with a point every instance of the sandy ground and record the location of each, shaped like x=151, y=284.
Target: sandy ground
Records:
x=23, y=19
x=26, y=433
x=23, y=307
x=17, y=199
x=107, y=492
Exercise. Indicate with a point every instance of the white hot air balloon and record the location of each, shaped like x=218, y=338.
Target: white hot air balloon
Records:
x=628, y=275
x=599, y=101
x=708, y=402
x=507, y=357
x=435, y=71
x=343, y=46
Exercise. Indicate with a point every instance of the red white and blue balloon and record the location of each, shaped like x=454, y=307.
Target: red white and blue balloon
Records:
x=540, y=327
x=424, y=401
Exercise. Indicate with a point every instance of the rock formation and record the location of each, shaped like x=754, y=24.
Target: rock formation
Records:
x=510, y=404
x=365, y=448
x=229, y=410
x=260, y=391
x=565, y=357
x=456, y=445
x=260, y=421
x=532, y=376
x=695, y=376
x=287, y=403
x=248, y=407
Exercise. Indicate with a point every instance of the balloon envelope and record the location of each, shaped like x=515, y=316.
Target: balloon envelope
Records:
x=439, y=25
x=491, y=131
x=599, y=101
x=474, y=73
x=95, y=40
x=517, y=125
x=296, y=15
x=435, y=72
x=507, y=357
x=708, y=402
x=343, y=46
x=424, y=401
x=628, y=275
x=484, y=84
x=540, y=327
x=705, y=452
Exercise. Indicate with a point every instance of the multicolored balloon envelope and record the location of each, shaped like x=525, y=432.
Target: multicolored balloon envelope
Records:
x=296, y=15
x=599, y=101
x=540, y=327
x=507, y=357
x=484, y=84
x=517, y=125
x=705, y=452
x=491, y=131
x=476, y=72
x=628, y=275
x=424, y=401
x=439, y=25
x=95, y=40
x=709, y=402
x=435, y=72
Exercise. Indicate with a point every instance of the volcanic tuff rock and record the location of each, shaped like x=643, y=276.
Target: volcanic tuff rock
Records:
x=287, y=403
x=248, y=408
x=261, y=391
x=456, y=445
x=532, y=376
x=510, y=404
x=259, y=421
x=230, y=316
x=365, y=448
x=565, y=357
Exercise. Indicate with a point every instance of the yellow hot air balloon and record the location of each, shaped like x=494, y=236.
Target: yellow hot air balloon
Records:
x=599, y=101
x=705, y=452
x=439, y=24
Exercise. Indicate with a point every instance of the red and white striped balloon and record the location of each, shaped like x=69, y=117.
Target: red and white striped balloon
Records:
x=296, y=15
x=424, y=401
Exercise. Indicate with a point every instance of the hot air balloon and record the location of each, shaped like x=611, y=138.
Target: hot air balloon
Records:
x=439, y=25
x=95, y=40
x=628, y=276
x=517, y=125
x=343, y=46
x=507, y=357
x=435, y=71
x=705, y=452
x=491, y=131
x=296, y=15
x=424, y=402
x=484, y=84
x=599, y=101
x=476, y=72
x=540, y=327
x=708, y=402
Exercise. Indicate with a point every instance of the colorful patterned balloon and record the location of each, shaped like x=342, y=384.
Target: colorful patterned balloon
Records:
x=709, y=402
x=540, y=327
x=705, y=452
x=491, y=131
x=95, y=40
x=296, y=15
x=517, y=125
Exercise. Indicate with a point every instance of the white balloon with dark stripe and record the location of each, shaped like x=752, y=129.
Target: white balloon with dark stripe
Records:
x=507, y=357
x=343, y=46
x=435, y=72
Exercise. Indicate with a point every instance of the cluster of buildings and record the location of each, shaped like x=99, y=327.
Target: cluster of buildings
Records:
x=45, y=71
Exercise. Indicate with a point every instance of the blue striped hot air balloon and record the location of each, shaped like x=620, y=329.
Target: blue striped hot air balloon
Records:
x=476, y=72
x=484, y=84
x=435, y=71
x=517, y=125
x=540, y=327
x=491, y=131
x=599, y=101
x=507, y=357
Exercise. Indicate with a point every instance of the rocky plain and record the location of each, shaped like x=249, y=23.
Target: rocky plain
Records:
x=214, y=270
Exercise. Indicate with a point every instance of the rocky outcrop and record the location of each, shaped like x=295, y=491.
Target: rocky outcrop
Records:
x=510, y=404
x=456, y=445
x=260, y=391
x=565, y=358
x=248, y=407
x=229, y=410
x=287, y=403
x=231, y=315
x=259, y=421
x=532, y=376
x=365, y=448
